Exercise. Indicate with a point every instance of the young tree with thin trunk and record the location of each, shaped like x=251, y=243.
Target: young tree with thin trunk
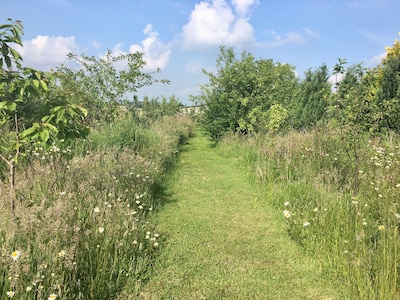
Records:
x=27, y=117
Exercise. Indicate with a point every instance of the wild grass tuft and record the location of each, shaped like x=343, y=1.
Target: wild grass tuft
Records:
x=341, y=203
x=81, y=229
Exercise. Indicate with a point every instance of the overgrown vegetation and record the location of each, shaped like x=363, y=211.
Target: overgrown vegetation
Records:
x=333, y=169
x=80, y=228
x=27, y=116
x=309, y=178
x=78, y=224
x=79, y=165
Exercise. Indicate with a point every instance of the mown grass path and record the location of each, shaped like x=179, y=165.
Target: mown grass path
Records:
x=222, y=240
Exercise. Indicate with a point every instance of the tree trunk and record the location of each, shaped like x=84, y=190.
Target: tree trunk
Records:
x=12, y=187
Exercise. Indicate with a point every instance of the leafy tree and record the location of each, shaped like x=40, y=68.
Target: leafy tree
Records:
x=388, y=94
x=392, y=52
x=171, y=106
x=366, y=102
x=354, y=111
x=276, y=90
x=370, y=98
x=221, y=95
x=238, y=97
x=27, y=116
x=339, y=70
x=102, y=84
x=314, y=92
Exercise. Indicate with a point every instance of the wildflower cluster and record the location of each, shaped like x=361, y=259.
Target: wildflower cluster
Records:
x=341, y=205
x=51, y=153
x=92, y=231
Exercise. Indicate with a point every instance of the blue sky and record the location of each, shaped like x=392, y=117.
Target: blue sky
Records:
x=182, y=37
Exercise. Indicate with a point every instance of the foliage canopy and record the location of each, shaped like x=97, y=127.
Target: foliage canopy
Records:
x=238, y=98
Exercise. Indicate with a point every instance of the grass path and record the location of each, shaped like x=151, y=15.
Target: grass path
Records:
x=223, y=241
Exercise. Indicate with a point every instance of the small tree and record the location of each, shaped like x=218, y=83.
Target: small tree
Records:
x=388, y=94
x=354, y=111
x=239, y=96
x=27, y=117
x=101, y=84
x=313, y=98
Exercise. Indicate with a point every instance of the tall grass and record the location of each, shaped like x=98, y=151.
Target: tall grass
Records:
x=81, y=229
x=354, y=230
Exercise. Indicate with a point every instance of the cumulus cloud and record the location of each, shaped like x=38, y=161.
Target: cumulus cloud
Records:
x=214, y=23
x=242, y=7
x=155, y=53
x=45, y=52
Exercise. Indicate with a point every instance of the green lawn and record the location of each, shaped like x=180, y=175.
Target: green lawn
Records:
x=222, y=240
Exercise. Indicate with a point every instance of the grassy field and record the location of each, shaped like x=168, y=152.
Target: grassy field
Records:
x=223, y=240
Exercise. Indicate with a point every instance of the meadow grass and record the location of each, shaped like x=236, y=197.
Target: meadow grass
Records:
x=342, y=211
x=223, y=240
x=81, y=229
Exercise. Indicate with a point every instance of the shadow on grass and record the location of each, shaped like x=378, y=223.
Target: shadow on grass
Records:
x=161, y=188
x=162, y=195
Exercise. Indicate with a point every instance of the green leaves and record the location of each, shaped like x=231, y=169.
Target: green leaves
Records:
x=10, y=33
x=239, y=95
x=312, y=102
x=277, y=115
x=29, y=112
x=40, y=84
x=8, y=106
x=28, y=115
x=102, y=85
x=39, y=132
x=30, y=130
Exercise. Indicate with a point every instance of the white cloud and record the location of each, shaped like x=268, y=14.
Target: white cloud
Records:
x=335, y=79
x=44, y=52
x=242, y=6
x=96, y=44
x=311, y=33
x=375, y=60
x=117, y=50
x=295, y=37
x=155, y=53
x=213, y=23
